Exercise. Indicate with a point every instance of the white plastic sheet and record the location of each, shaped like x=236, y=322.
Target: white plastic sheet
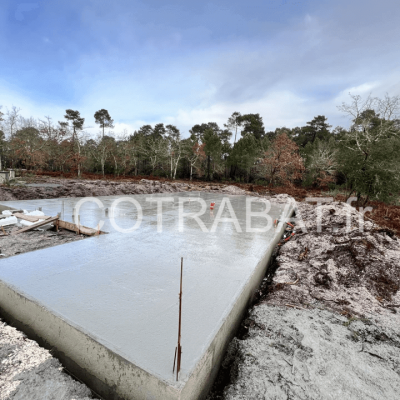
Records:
x=8, y=221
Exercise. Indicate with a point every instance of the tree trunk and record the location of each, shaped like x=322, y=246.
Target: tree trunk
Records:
x=115, y=163
x=176, y=166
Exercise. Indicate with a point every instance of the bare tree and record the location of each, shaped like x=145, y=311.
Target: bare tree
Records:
x=153, y=145
x=128, y=151
x=27, y=122
x=193, y=152
x=102, y=150
x=373, y=120
x=174, y=148
x=373, y=168
x=322, y=163
x=1, y=137
x=11, y=122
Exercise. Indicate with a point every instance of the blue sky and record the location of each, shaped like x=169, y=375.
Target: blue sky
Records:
x=187, y=62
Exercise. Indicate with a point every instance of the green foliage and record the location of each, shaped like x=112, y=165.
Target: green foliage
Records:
x=75, y=118
x=369, y=150
x=252, y=124
x=364, y=159
x=212, y=148
x=103, y=118
x=27, y=134
x=244, y=153
x=234, y=122
x=317, y=128
x=2, y=141
x=376, y=176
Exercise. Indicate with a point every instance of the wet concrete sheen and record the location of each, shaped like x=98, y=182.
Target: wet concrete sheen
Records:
x=121, y=289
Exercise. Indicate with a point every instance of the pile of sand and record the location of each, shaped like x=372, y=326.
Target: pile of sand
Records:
x=327, y=326
x=29, y=372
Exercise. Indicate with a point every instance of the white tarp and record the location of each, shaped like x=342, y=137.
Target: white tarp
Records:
x=8, y=221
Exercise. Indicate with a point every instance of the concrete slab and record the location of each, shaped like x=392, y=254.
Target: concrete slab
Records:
x=109, y=304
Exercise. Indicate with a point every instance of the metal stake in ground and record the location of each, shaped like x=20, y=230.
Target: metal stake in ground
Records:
x=178, y=349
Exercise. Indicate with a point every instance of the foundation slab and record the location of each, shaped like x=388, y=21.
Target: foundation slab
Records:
x=109, y=304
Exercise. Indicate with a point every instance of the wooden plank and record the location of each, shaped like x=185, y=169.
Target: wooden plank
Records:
x=74, y=228
x=31, y=218
x=37, y=225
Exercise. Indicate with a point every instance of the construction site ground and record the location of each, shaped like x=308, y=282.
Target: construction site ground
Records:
x=325, y=323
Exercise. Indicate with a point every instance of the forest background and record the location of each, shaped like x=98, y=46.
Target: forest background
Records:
x=362, y=159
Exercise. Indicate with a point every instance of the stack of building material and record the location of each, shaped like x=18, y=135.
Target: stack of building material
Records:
x=38, y=220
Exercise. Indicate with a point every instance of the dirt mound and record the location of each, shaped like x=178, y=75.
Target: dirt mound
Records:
x=233, y=190
x=351, y=271
x=326, y=321
x=51, y=188
x=87, y=188
x=314, y=354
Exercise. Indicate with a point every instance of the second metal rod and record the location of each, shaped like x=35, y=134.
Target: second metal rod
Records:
x=178, y=366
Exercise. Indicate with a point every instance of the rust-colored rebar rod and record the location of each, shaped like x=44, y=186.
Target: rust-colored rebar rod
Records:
x=178, y=349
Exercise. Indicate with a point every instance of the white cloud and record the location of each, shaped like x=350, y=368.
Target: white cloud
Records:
x=10, y=96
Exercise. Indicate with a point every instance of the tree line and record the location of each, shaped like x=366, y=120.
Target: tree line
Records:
x=363, y=158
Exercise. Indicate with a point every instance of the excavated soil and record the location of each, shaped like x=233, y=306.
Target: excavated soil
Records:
x=354, y=272
x=29, y=372
x=326, y=324
x=52, y=188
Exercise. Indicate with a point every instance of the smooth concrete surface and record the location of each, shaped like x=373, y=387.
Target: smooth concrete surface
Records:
x=110, y=303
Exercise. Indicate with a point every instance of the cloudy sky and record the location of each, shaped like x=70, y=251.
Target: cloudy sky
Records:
x=186, y=62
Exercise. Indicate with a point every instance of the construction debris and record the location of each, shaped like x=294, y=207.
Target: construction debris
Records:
x=84, y=230
x=26, y=231
x=8, y=221
x=11, y=244
x=37, y=225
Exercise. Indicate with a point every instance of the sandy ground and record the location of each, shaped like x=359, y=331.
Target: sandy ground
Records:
x=326, y=323
x=313, y=354
x=33, y=240
x=29, y=372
